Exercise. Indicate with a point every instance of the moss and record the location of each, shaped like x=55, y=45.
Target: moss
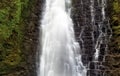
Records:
x=116, y=6
x=14, y=18
x=12, y=59
x=113, y=59
x=116, y=23
x=11, y=34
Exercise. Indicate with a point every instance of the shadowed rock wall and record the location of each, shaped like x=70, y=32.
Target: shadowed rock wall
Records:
x=88, y=32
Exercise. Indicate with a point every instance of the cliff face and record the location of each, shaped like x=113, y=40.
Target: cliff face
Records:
x=18, y=36
x=112, y=58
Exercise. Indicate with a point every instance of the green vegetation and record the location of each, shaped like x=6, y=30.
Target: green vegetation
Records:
x=116, y=25
x=113, y=59
x=11, y=35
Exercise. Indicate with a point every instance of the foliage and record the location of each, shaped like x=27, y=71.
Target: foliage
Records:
x=11, y=35
x=116, y=24
x=113, y=59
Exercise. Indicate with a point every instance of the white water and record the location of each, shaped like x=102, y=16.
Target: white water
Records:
x=60, y=51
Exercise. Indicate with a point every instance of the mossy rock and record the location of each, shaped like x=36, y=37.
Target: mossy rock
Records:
x=11, y=34
x=14, y=18
x=113, y=59
x=12, y=59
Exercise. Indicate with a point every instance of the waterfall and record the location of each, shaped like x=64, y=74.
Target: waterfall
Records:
x=60, y=52
x=64, y=52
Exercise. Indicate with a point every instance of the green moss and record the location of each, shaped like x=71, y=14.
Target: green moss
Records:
x=114, y=51
x=116, y=6
x=12, y=59
x=14, y=17
x=116, y=24
x=11, y=34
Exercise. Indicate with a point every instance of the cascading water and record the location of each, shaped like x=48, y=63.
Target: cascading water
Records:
x=60, y=52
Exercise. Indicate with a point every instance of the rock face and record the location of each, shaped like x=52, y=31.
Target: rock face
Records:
x=31, y=36
x=89, y=24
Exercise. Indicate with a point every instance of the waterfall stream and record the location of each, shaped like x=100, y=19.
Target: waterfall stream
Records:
x=60, y=52
x=68, y=53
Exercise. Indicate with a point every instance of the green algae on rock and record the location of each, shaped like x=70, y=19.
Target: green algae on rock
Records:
x=113, y=58
x=11, y=37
